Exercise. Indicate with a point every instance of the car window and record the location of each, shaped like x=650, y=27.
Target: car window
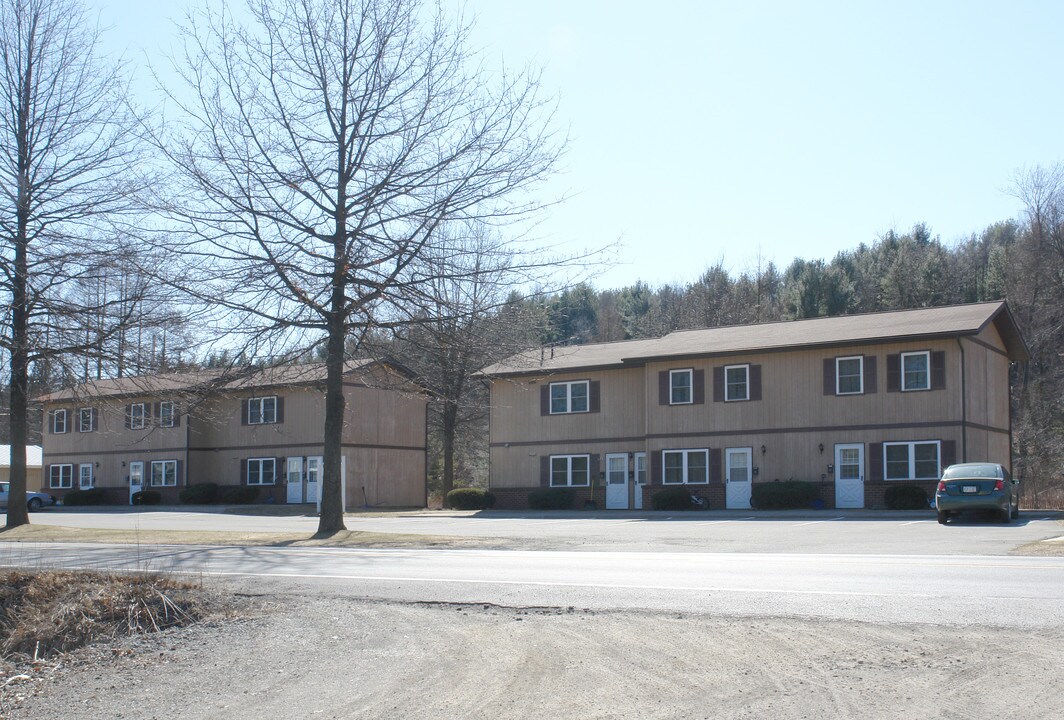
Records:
x=971, y=471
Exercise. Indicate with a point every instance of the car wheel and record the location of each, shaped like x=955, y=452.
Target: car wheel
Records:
x=1006, y=514
x=34, y=504
x=943, y=517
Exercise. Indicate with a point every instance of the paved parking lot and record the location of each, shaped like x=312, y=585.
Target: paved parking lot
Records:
x=908, y=533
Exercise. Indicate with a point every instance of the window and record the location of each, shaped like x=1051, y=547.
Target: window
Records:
x=916, y=371
x=163, y=473
x=911, y=460
x=86, y=419
x=262, y=410
x=136, y=473
x=166, y=414
x=136, y=416
x=849, y=373
x=262, y=471
x=85, y=476
x=685, y=467
x=736, y=382
x=569, y=397
x=680, y=387
x=60, y=476
x=59, y=422
x=570, y=470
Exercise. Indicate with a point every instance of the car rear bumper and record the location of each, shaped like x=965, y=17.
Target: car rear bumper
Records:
x=949, y=503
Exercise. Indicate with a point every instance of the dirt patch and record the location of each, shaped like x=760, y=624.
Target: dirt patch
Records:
x=345, y=538
x=311, y=655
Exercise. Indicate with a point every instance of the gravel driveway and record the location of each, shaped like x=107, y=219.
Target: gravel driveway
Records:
x=302, y=655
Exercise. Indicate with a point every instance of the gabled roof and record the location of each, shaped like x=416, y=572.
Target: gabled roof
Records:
x=33, y=456
x=937, y=322
x=235, y=379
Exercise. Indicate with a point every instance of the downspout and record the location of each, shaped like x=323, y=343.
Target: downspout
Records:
x=964, y=404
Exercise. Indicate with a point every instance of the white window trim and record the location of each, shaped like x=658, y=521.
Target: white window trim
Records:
x=163, y=464
x=838, y=375
x=686, y=466
x=56, y=414
x=568, y=471
x=912, y=460
x=81, y=418
x=69, y=476
x=690, y=386
x=261, y=462
x=136, y=423
x=170, y=404
x=568, y=397
x=261, y=401
x=901, y=370
x=81, y=476
x=746, y=367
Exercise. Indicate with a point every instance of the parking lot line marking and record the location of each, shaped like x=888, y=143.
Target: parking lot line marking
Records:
x=815, y=522
x=917, y=522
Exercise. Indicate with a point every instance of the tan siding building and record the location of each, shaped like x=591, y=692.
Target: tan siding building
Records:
x=262, y=431
x=853, y=403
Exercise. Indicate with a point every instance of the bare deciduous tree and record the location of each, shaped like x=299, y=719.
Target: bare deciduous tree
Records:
x=67, y=171
x=327, y=142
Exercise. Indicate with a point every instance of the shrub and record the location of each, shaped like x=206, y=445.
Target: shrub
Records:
x=905, y=497
x=470, y=499
x=93, y=496
x=146, y=497
x=673, y=498
x=199, y=494
x=236, y=494
x=786, y=495
x=551, y=499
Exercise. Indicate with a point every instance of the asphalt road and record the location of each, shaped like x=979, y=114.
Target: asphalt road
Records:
x=860, y=532
x=1012, y=592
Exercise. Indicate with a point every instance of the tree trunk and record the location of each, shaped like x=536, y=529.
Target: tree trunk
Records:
x=331, y=519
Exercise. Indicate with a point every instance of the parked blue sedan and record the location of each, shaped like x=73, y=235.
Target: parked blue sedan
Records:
x=977, y=486
x=34, y=500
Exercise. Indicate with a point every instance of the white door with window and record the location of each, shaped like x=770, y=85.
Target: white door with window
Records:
x=849, y=476
x=737, y=463
x=617, y=481
x=313, y=478
x=294, y=479
x=640, y=480
x=136, y=479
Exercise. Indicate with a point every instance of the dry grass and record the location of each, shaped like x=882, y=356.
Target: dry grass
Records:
x=46, y=613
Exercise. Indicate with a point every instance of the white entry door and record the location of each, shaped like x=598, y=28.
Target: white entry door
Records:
x=849, y=476
x=136, y=479
x=640, y=480
x=294, y=478
x=617, y=481
x=313, y=478
x=738, y=477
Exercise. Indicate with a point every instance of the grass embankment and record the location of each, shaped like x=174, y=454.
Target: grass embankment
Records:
x=46, y=613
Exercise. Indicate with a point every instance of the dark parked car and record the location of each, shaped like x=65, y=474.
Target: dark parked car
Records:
x=977, y=486
x=34, y=500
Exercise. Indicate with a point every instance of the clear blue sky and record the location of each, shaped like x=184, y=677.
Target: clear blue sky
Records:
x=706, y=131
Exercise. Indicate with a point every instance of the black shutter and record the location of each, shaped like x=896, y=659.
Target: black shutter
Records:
x=243, y=472
x=178, y=477
x=875, y=461
x=95, y=424
x=894, y=372
x=49, y=425
x=870, y=380
x=593, y=469
x=244, y=411
x=156, y=412
x=655, y=467
x=280, y=409
x=716, y=466
x=948, y=454
x=129, y=417
x=755, y=382
x=718, y=384
x=544, y=400
x=544, y=470
x=176, y=415
x=938, y=370
x=829, y=376
x=280, y=472
x=663, y=388
x=594, y=400
x=699, y=390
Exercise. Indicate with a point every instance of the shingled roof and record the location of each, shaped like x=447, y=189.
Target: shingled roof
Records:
x=937, y=322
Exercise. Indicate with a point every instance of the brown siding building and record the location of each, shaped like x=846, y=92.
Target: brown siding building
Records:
x=854, y=403
x=262, y=430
